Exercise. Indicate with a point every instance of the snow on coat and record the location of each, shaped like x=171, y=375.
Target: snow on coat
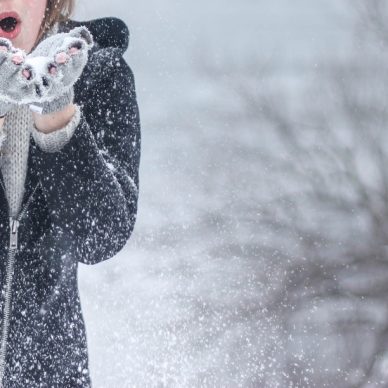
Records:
x=79, y=205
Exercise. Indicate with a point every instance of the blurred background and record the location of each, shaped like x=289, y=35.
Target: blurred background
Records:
x=259, y=258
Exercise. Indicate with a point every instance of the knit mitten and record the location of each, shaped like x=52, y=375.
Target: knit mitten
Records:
x=5, y=107
x=53, y=68
x=11, y=60
x=44, y=79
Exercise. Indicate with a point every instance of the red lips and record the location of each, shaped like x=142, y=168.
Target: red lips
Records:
x=10, y=25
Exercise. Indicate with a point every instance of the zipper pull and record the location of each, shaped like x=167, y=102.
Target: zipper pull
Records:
x=13, y=237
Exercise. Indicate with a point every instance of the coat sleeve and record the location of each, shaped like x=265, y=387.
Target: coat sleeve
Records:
x=91, y=184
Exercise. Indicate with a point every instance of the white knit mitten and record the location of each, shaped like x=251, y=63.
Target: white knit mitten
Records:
x=45, y=77
x=53, y=68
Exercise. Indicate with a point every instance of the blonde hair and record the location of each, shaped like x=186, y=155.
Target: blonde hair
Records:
x=56, y=11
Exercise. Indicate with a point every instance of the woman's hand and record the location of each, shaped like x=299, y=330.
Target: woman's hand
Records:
x=52, y=69
x=11, y=59
x=52, y=121
x=44, y=79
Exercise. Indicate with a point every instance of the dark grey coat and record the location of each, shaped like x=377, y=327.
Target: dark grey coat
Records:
x=80, y=205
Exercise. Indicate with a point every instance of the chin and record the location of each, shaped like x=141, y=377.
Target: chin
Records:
x=21, y=44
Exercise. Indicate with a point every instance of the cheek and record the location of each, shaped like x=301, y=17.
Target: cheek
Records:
x=34, y=12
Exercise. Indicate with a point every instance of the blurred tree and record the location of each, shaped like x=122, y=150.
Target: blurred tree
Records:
x=325, y=227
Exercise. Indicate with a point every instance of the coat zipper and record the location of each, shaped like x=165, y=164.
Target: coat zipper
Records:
x=13, y=246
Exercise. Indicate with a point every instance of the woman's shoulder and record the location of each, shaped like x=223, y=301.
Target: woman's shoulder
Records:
x=106, y=61
x=108, y=32
x=111, y=40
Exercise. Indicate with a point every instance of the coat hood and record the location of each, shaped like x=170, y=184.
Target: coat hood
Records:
x=108, y=32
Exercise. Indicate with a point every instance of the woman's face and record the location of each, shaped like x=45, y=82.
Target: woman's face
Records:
x=22, y=25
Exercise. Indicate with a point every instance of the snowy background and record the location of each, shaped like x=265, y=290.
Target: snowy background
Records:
x=215, y=287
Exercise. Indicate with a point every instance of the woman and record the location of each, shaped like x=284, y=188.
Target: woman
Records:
x=68, y=180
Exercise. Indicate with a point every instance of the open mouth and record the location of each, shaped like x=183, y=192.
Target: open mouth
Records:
x=9, y=24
